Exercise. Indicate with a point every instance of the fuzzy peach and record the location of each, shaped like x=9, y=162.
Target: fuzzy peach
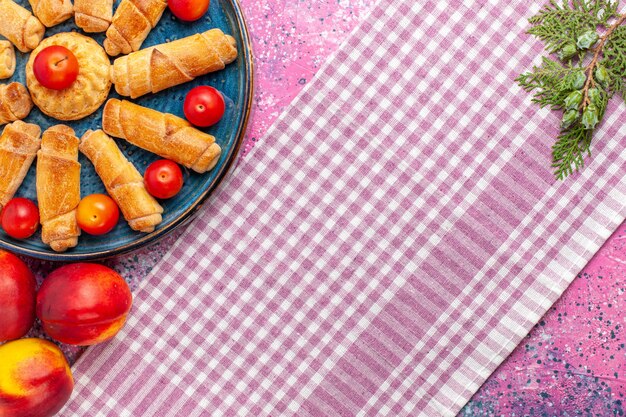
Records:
x=83, y=304
x=17, y=297
x=35, y=379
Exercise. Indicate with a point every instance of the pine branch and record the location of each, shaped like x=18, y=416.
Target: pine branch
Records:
x=569, y=150
x=547, y=82
x=596, y=57
x=590, y=70
x=615, y=60
x=557, y=26
x=574, y=142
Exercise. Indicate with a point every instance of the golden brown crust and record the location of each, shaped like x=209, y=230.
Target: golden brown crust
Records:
x=93, y=15
x=161, y=133
x=7, y=60
x=132, y=22
x=90, y=89
x=19, y=144
x=15, y=102
x=58, y=187
x=52, y=12
x=162, y=66
x=19, y=26
x=122, y=181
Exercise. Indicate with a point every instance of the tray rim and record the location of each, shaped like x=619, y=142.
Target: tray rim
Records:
x=189, y=214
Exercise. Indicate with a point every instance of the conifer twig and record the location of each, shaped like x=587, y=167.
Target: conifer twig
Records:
x=596, y=56
x=569, y=29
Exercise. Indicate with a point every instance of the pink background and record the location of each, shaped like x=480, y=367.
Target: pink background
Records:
x=573, y=361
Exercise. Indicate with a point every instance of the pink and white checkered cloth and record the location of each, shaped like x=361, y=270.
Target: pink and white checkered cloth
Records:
x=391, y=241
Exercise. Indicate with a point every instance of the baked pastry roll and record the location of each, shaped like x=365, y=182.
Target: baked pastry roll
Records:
x=19, y=26
x=93, y=15
x=19, y=144
x=90, y=89
x=122, y=181
x=52, y=12
x=7, y=60
x=132, y=22
x=58, y=187
x=15, y=103
x=162, y=66
x=164, y=134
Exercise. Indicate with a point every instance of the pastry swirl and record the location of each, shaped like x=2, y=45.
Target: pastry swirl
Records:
x=19, y=26
x=7, y=60
x=161, y=133
x=58, y=187
x=132, y=22
x=162, y=66
x=19, y=144
x=15, y=103
x=93, y=15
x=122, y=181
x=52, y=12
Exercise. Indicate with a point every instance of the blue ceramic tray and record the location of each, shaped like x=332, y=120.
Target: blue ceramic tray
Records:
x=235, y=82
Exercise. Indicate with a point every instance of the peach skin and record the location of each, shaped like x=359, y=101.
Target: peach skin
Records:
x=83, y=304
x=35, y=379
x=17, y=297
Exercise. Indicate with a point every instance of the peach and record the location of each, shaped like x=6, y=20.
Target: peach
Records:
x=83, y=304
x=17, y=297
x=35, y=379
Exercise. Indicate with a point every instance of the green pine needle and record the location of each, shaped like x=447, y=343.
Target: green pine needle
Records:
x=589, y=67
x=547, y=82
x=615, y=60
x=571, y=146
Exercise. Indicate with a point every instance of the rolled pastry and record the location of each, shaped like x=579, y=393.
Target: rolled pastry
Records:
x=58, y=187
x=52, y=12
x=19, y=26
x=7, y=60
x=161, y=133
x=162, y=66
x=122, y=181
x=132, y=22
x=19, y=144
x=15, y=102
x=93, y=15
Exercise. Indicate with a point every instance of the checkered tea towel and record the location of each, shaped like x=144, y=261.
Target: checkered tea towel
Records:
x=390, y=241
